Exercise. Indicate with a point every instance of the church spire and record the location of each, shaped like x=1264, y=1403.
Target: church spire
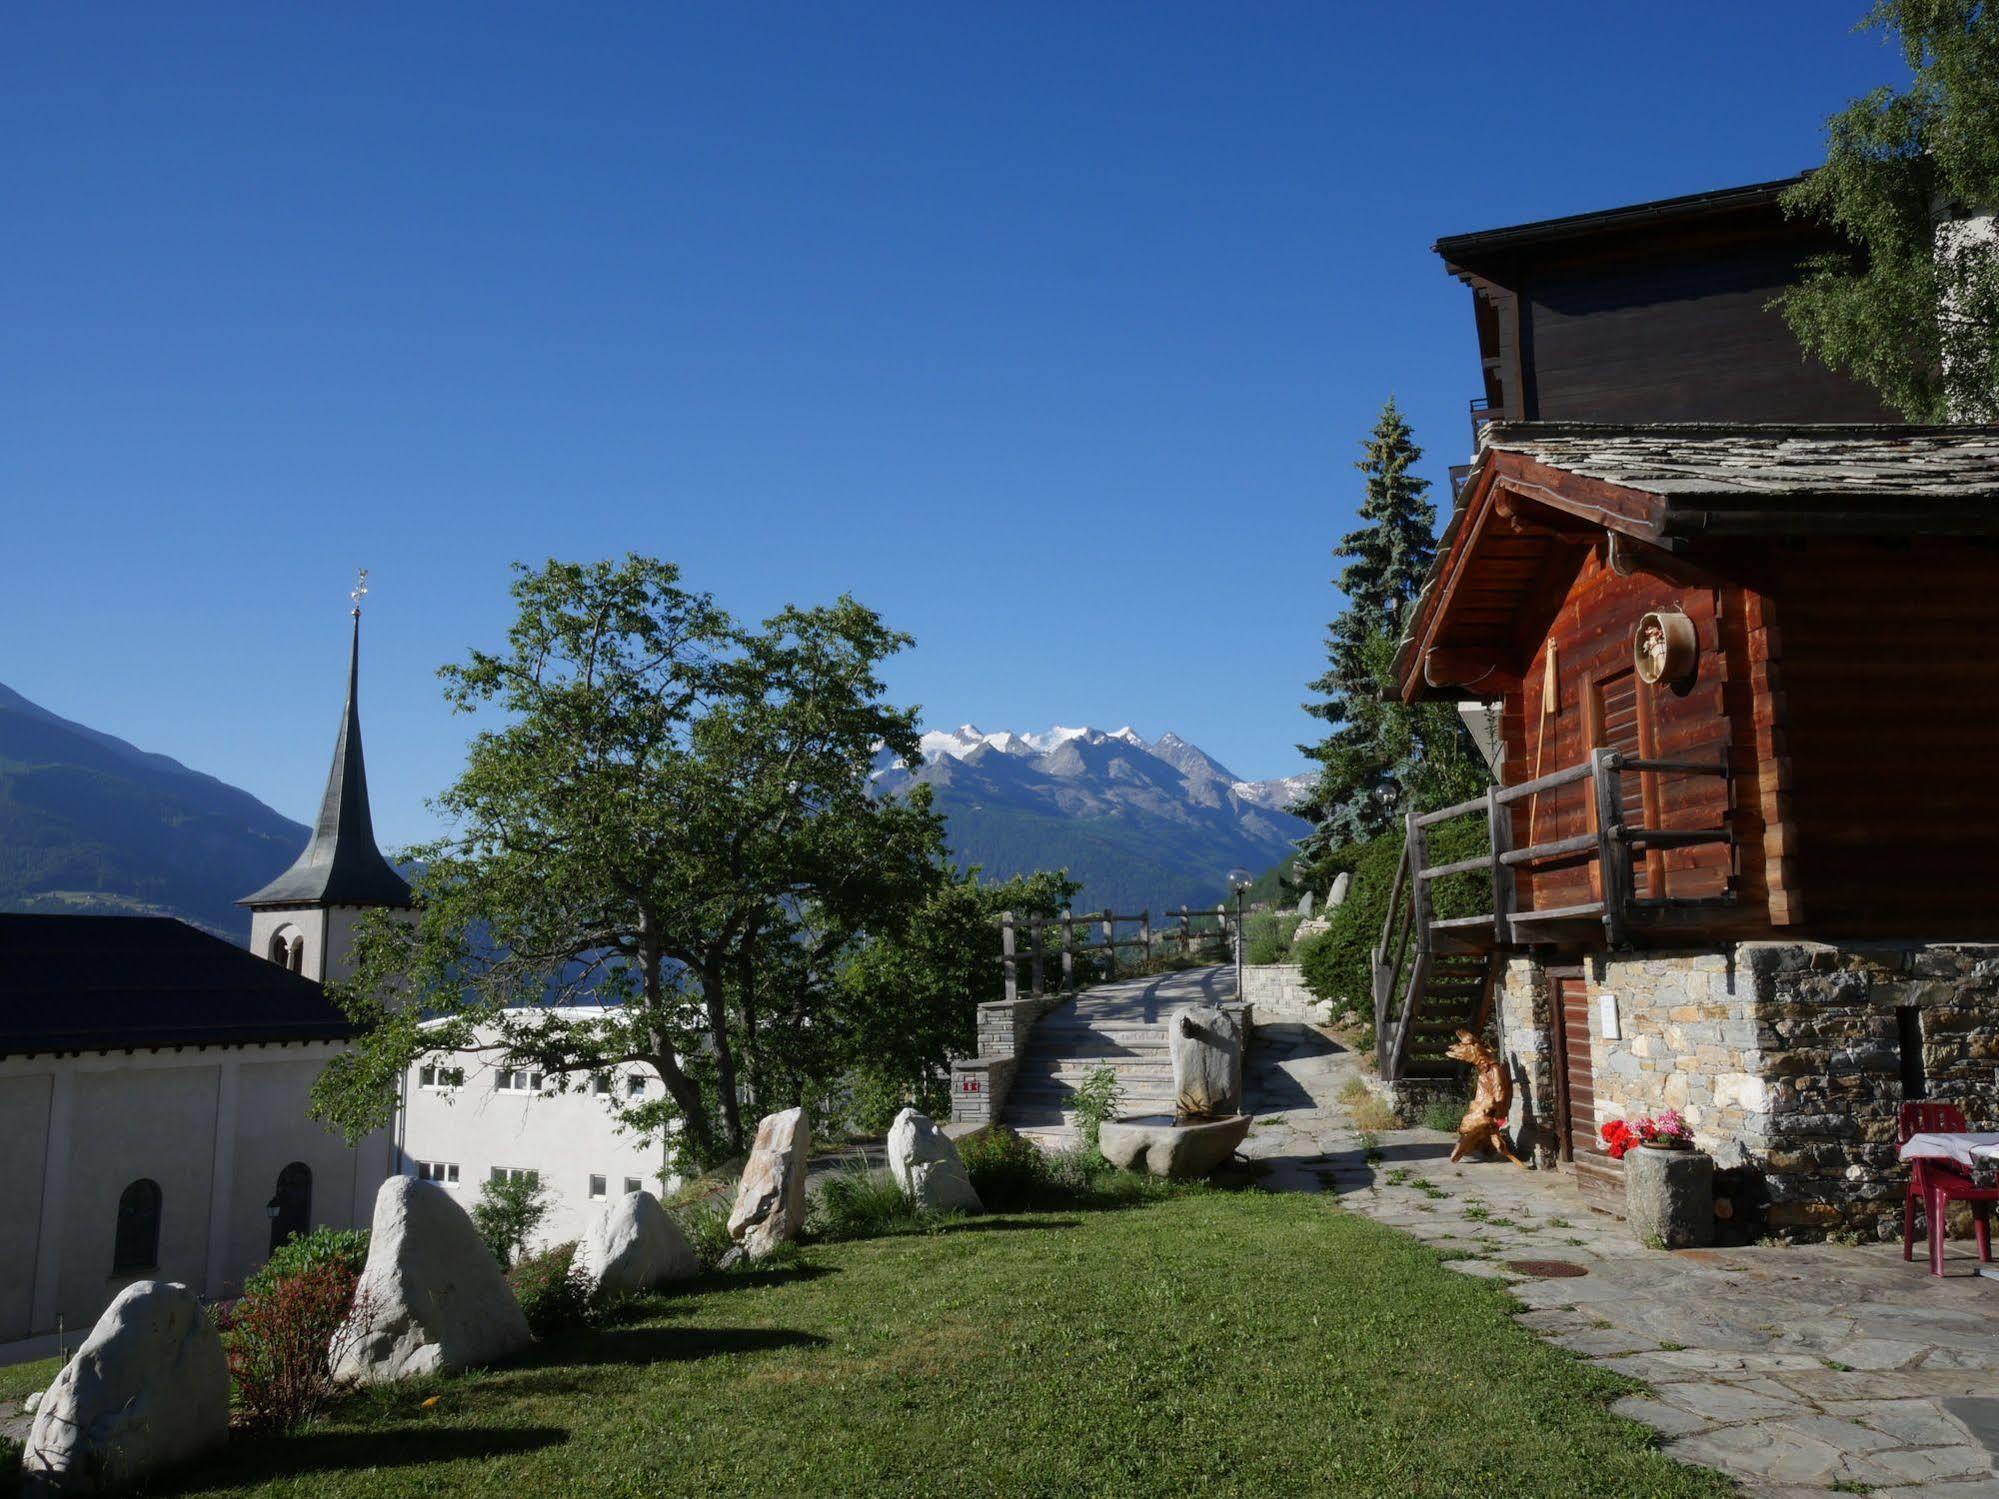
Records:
x=341, y=866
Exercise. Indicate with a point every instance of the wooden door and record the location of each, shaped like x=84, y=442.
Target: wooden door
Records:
x=1575, y=1083
x=1618, y=721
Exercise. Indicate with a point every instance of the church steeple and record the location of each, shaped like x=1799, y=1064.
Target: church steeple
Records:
x=341, y=866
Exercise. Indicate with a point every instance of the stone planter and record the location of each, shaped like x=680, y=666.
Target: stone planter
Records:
x=1669, y=1196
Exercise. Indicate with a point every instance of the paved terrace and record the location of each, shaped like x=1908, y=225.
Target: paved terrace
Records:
x=1797, y=1370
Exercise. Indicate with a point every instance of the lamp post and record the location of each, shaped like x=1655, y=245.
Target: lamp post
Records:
x=1239, y=881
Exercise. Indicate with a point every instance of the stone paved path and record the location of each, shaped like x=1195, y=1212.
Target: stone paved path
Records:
x=1795, y=1370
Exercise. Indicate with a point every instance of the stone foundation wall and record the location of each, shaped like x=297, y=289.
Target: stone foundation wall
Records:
x=1784, y=1057
x=1521, y=1013
x=1832, y=1057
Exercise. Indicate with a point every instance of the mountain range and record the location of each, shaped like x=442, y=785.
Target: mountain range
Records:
x=1144, y=825
x=91, y=824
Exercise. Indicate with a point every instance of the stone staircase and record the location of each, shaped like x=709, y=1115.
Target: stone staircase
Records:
x=1120, y=1025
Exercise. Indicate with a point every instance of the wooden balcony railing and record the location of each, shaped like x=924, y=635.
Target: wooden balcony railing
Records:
x=1412, y=932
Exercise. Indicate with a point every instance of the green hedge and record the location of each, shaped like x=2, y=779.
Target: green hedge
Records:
x=1338, y=963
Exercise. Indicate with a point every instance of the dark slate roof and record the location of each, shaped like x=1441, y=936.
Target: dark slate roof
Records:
x=1711, y=481
x=341, y=865
x=1831, y=463
x=106, y=983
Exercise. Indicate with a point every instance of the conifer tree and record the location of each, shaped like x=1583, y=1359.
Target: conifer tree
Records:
x=1381, y=756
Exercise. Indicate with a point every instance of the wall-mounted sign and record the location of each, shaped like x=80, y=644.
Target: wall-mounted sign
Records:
x=1606, y=1018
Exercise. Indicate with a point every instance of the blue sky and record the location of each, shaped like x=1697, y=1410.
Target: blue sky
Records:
x=1047, y=330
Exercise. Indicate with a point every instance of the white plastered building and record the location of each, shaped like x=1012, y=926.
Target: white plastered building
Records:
x=155, y=1083
x=467, y=1119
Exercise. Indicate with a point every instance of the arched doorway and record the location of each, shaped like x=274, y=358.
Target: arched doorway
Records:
x=291, y=1206
x=136, y=1247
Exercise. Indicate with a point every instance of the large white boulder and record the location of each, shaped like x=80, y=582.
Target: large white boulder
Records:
x=770, y=1200
x=634, y=1245
x=148, y=1389
x=925, y=1165
x=431, y=1299
x=1206, y=1046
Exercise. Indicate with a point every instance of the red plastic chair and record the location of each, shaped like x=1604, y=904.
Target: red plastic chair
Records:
x=1937, y=1184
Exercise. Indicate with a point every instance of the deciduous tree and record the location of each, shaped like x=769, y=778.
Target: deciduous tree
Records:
x=1916, y=313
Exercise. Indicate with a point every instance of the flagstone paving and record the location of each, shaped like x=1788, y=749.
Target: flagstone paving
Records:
x=1795, y=1370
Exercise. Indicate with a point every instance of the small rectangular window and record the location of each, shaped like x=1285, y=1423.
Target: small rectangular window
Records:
x=444, y=1173
x=633, y=1184
x=534, y=1082
x=635, y=1085
x=1909, y=1029
x=427, y=1077
x=600, y=1083
x=597, y=1188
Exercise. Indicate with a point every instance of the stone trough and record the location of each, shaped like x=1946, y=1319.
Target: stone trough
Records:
x=1167, y=1145
x=1207, y=1124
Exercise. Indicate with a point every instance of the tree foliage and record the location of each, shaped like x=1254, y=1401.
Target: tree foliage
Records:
x=908, y=998
x=1916, y=314
x=1381, y=756
x=664, y=847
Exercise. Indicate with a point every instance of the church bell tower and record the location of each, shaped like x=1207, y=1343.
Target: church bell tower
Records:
x=304, y=919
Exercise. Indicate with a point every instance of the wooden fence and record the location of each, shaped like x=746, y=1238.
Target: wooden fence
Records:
x=1022, y=942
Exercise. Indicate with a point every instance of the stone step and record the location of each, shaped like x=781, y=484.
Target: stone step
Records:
x=1078, y=1068
x=1063, y=1097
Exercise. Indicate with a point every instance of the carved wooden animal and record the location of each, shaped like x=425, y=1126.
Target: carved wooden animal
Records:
x=1484, y=1126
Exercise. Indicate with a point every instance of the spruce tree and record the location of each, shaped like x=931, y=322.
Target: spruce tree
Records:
x=1381, y=756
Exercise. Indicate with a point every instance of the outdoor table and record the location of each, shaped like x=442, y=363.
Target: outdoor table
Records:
x=1963, y=1148
x=1966, y=1148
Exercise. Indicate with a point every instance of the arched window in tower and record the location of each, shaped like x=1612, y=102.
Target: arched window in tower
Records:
x=137, y=1246
x=291, y=1206
x=296, y=959
x=280, y=949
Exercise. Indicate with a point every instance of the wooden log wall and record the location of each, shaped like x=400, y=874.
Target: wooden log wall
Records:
x=1886, y=654
x=1598, y=699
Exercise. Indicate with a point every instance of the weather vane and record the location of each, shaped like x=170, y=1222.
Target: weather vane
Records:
x=360, y=590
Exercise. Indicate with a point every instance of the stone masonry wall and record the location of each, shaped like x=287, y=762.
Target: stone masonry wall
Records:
x=1278, y=993
x=1784, y=1057
x=1522, y=1011
x=1832, y=1055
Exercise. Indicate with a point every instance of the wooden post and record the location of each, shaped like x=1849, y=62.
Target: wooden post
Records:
x=1499, y=829
x=1186, y=934
x=1068, y=952
x=1110, y=942
x=1145, y=934
x=1034, y=946
x=1419, y=888
x=1613, y=854
x=1006, y=956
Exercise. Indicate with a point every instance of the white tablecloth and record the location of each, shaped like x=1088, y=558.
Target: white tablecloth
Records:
x=1962, y=1148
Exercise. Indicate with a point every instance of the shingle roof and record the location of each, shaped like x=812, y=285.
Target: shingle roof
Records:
x=1829, y=462
x=104, y=983
x=341, y=866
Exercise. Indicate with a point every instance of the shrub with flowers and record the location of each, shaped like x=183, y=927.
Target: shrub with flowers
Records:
x=1667, y=1129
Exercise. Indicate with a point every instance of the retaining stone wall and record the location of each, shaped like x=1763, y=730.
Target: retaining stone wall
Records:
x=1278, y=993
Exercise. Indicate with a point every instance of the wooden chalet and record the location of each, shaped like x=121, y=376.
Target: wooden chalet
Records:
x=1744, y=680
x=1733, y=628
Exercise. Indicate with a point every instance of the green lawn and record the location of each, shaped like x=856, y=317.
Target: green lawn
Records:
x=17, y=1380
x=1212, y=1343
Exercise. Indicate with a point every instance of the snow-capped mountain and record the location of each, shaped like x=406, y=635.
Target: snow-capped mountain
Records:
x=1142, y=824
